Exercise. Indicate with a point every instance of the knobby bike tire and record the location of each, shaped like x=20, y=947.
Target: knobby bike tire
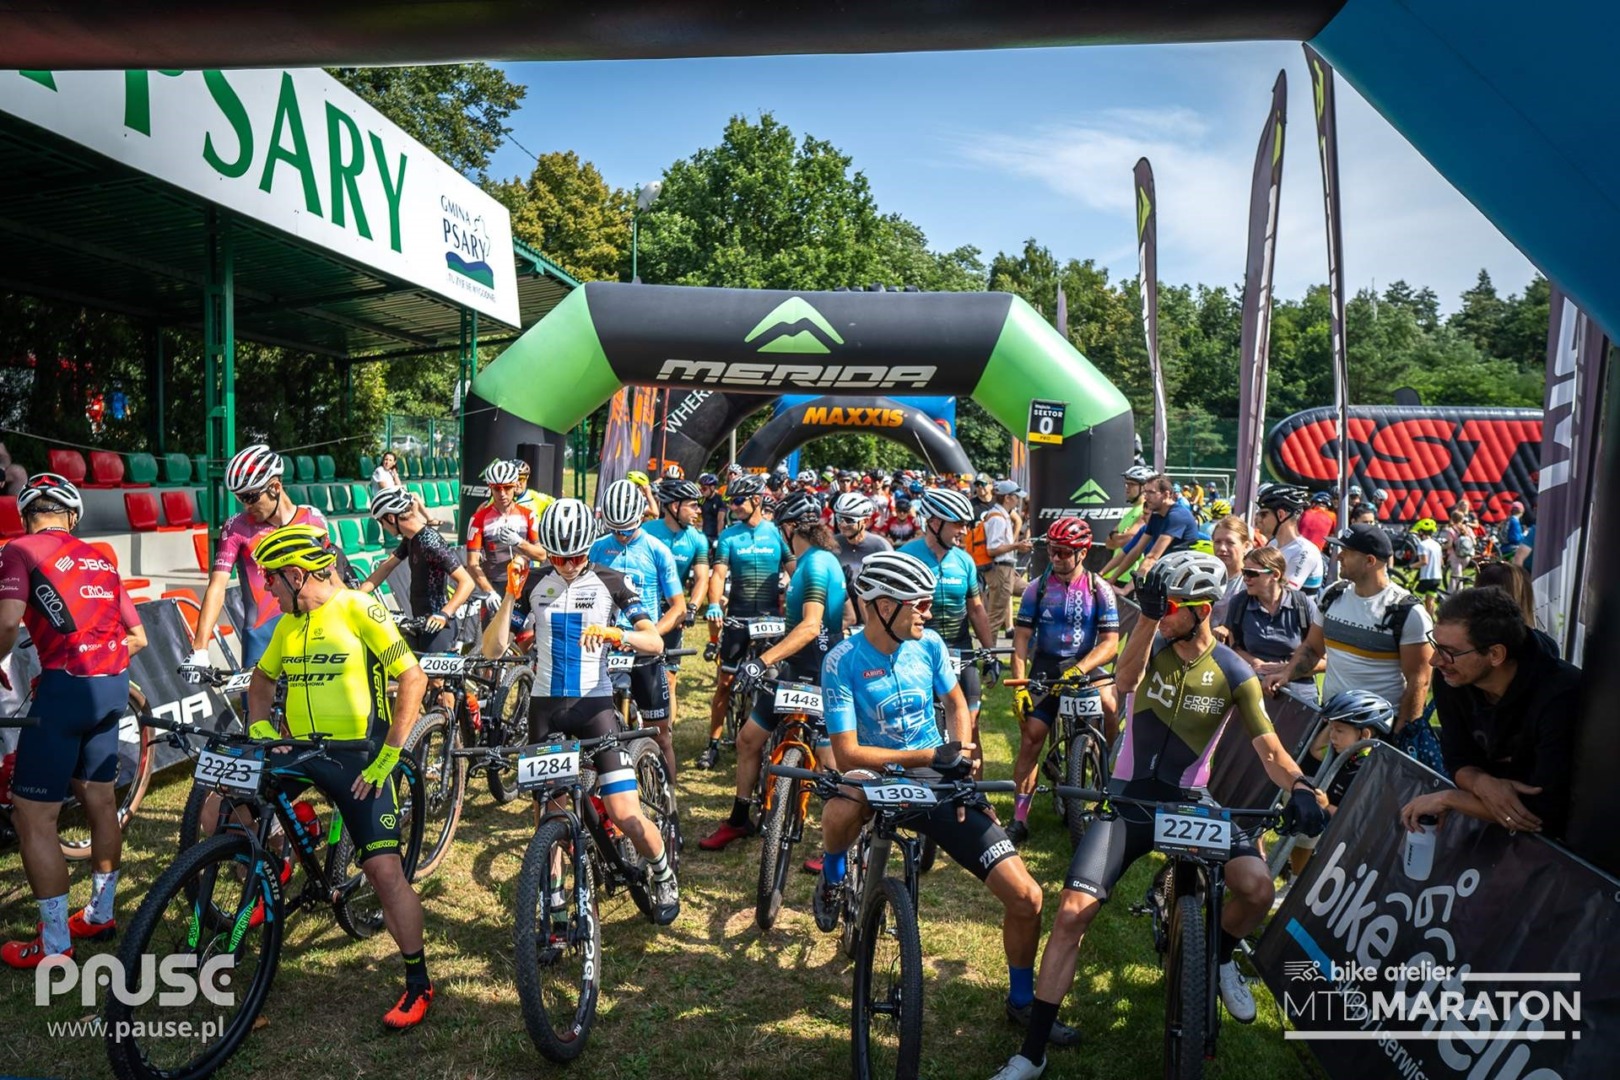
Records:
x=1186, y=992
x=776, y=849
x=897, y=1005
x=539, y=958
x=849, y=935
x=358, y=911
x=657, y=792
x=1084, y=766
x=74, y=837
x=431, y=744
x=209, y=864
x=507, y=724
x=927, y=856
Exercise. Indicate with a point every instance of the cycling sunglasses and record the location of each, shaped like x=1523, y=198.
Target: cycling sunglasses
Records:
x=921, y=607
x=1257, y=571
x=506, y=488
x=1061, y=552
x=568, y=562
x=1173, y=606
x=248, y=498
x=741, y=500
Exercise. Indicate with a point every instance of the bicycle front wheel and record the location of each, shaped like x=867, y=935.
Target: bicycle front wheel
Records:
x=886, y=1027
x=216, y=904
x=558, y=943
x=776, y=850
x=1084, y=766
x=508, y=726
x=431, y=744
x=1186, y=992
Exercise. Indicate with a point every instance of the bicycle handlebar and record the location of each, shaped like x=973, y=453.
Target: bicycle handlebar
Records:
x=831, y=781
x=316, y=739
x=586, y=746
x=1090, y=795
x=1066, y=682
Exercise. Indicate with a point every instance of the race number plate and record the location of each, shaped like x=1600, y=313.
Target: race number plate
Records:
x=237, y=683
x=1084, y=706
x=761, y=628
x=798, y=699
x=440, y=664
x=231, y=769
x=899, y=793
x=620, y=661
x=553, y=765
x=1193, y=830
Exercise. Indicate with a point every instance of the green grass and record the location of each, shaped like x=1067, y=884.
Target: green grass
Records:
x=710, y=996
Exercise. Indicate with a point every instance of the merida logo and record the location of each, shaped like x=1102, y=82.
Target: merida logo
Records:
x=1089, y=492
x=787, y=316
x=809, y=376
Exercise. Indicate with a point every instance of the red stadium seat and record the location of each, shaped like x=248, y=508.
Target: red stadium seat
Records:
x=68, y=464
x=11, y=523
x=177, y=509
x=142, y=509
x=106, y=469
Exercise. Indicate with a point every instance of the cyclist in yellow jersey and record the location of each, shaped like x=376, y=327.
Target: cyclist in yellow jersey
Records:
x=338, y=648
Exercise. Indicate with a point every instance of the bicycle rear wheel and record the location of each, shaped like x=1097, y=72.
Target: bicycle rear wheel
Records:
x=776, y=850
x=129, y=787
x=357, y=908
x=236, y=961
x=1084, y=764
x=657, y=793
x=1186, y=992
x=558, y=943
x=886, y=1023
x=431, y=744
x=507, y=724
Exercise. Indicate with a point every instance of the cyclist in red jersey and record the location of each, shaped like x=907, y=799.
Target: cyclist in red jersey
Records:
x=85, y=629
x=499, y=531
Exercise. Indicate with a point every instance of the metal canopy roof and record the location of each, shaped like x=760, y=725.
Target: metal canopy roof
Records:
x=77, y=226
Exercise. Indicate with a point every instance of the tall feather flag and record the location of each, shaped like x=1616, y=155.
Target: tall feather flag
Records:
x=1264, y=195
x=1327, y=144
x=1147, y=281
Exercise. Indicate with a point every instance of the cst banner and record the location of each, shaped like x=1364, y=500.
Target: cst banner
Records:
x=1424, y=457
x=1501, y=962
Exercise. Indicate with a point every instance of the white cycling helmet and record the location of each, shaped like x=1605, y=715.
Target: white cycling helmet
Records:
x=806, y=477
x=1139, y=474
x=251, y=469
x=567, y=528
x=624, y=506
x=502, y=471
x=947, y=505
x=53, y=488
x=895, y=575
x=1191, y=576
x=394, y=500
x=853, y=506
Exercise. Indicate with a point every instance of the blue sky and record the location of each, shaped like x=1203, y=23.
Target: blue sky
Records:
x=990, y=148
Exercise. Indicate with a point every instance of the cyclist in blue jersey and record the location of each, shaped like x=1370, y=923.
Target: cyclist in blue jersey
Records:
x=1067, y=623
x=650, y=566
x=573, y=606
x=878, y=691
x=959, y=610
x=749, y=559
x=682, y=504
x=816, y=610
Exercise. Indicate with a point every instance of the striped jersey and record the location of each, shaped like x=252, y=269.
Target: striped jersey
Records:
x=1181, y=710
x=559, y=612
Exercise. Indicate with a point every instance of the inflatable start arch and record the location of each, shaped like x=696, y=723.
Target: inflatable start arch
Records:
x=993, y=346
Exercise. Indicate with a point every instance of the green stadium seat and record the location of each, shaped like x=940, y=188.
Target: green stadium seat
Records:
x=142, y=469
x=306, y=468
x=349, y=538
x=199, y=468
x=430, y=492
x=403, y=465
x=332, y=532
x=342, y=500
x=359, y=497
x=325, y=468
x=447, y=492
x=319, y=499
x=441, y=466
x=372, y=530
x=176, y=469
x=298, y=493
x=289, y=470
x=367, y=466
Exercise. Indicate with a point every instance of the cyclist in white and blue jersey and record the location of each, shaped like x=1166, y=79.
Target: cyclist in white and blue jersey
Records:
x=573, y=608
x=878, y=691
x=651, y=566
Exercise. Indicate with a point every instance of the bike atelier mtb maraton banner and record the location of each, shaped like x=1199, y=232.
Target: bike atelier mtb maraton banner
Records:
x=1422, y=456
x=1503, y=964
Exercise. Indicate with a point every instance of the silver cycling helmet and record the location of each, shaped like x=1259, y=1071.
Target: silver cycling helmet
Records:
x=624, y=506
x=252, y=468
x=567, y=528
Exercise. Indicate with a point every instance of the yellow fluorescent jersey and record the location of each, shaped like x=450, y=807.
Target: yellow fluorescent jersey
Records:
x=337, y=660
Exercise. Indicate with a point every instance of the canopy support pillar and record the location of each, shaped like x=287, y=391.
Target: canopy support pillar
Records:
x=219, y=368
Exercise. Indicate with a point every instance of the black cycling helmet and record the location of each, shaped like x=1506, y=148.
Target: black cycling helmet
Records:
x=1290, y=497
x=708, y=479
x=798, y=506
x=671, y=491
x=746, y=486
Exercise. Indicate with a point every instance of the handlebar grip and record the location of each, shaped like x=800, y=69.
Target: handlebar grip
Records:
x=1016, y=682
x=637, y=733
x=795, y=774
x=19, y=722
x=148, y=720
x=680, y=652
x=996, y=786
x=367, y=745
x=1086, y=794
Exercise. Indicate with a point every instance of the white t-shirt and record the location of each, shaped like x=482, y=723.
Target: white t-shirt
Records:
x=21, y=667
x=1360, y=652
x=1433, y=559
x=998, y=532
x=1304, y=561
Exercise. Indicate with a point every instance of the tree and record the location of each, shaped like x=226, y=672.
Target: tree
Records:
x=568, y=212
x=458, y=111
x=1479, y=319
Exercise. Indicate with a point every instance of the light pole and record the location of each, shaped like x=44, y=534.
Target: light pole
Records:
x=644, y=199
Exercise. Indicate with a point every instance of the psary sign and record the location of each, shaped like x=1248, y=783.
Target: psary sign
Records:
x=1426, y=458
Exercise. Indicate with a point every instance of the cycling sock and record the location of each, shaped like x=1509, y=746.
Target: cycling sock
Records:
x=739, y=813
x=102, y=887
x=834, y=867
x=416, y=974
x=53, y=913
x=660, y=868
x=1021, y=807
x=557, y=904
x=1021, y=986
x=1226, y=946
x=1042, y=1015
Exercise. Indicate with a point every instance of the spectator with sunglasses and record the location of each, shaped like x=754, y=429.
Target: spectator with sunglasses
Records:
x=1265, y=624
x=254, y=477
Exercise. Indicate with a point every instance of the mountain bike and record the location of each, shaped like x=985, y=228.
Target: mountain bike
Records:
x=991, y=676
x=880, y=911
x=1185, y=902
x=576, y=856
x=763, y=632
x=223, y=903
x=135, y=745
x=1077, y=755
x=652, y=777
x=784, y=801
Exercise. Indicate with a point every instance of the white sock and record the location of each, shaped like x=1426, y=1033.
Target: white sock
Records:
x=661, y=870
x=557, y=902
x=53, y=912
x=102, y=887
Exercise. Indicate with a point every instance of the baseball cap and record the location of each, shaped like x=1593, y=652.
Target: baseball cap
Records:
x=1006, y=487
x=983, y=479
x=1367, y=539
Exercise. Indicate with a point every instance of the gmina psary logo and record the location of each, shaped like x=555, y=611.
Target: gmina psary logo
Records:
x=466, y=240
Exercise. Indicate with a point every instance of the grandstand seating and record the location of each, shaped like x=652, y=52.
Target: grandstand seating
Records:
x=178, y=509
x=142, y=470
x=177, y=469
x=106, y=470
x=68, y=464
x=11, y=523
x=142, y=510
x=325, y=468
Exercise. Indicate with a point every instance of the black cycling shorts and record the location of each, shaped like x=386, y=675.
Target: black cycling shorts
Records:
x=584, y=718
x=968, y=678
x=675, y=639
x=1112, y=844
x=805, y=668
x=77, y=734
x=427, y=642
x=976, y=842
x=1426, y=586
x=373, y=823
x=649, y=689
x=1045, y=666
x=733, y=645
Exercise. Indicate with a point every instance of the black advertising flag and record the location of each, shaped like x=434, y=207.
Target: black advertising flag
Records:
x=1147, y=277
x=1327, y=145
x=1264, y=196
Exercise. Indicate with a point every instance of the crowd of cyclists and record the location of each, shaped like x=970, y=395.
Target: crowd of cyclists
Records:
x=892, y=590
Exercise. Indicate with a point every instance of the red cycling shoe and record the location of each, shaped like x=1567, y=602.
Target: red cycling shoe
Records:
x=724, y=835
x=411, y=1009
x=27, y=955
